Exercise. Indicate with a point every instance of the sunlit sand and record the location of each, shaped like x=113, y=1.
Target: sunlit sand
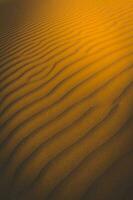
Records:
x=66, y=96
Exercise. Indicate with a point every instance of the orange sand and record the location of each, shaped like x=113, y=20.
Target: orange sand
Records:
x=66, y=96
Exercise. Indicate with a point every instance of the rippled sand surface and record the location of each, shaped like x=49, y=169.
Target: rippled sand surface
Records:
x=66, y=100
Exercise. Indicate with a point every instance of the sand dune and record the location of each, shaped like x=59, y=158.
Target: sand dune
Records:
x=66, y=96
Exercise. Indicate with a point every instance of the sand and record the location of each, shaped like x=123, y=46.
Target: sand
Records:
x=66, y=96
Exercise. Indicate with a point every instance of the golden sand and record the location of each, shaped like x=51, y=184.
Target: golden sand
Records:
x=66, y=96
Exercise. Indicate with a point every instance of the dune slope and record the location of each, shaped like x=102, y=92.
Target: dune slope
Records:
x=66, y=96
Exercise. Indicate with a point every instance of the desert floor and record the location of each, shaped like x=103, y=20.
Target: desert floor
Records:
x=66, y=100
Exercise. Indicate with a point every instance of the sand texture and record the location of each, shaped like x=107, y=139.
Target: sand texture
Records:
x=66, y=100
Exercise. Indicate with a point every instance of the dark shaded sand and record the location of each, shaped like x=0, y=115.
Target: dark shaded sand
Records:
x=66, y=100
